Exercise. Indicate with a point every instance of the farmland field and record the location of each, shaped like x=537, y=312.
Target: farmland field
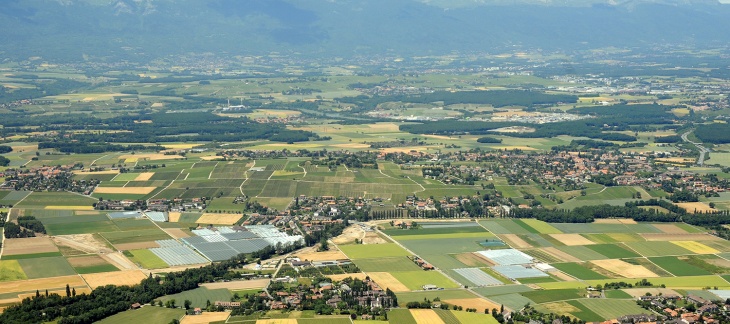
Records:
x=149, y=314
x=199, y=296
x=46, y=267
x=578, y=270
x=612, y=308
x=147, y=259
x=386, y=264
x=366, y=251
x=414, y=280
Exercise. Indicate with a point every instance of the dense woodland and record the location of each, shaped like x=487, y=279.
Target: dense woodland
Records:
x=713, y=133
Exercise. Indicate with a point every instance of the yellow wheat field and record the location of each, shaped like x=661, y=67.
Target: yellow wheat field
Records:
x=124, y=190
x=696, y=247
x=386, y=280
x=625, y=269
x=426, y=316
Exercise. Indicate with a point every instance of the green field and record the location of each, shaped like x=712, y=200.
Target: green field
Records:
x=544, y=296
x=415, y=280
x=443, y=246
x=690, y=282
x=386, y=264
x=585, y=312
x=11, y=270
x=613, y=251
x=401, y=316
x=540, y=226
x=96, y=269
x=437, y=230
x=406, y=297
x=613, y=308
x=513, y=301
x=199, y=296
x=678, y=267
x=501, y=290
x=650, y=249
x=468, y=318
x=46, y=267
x=135, y=236
x=31, y=256
x=366, y=251
x=43, y=199
x=478, y=236
x=578, y=270
x=147, y=259
x=147, y=314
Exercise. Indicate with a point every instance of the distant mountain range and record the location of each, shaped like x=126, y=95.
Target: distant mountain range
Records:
x=62, y=30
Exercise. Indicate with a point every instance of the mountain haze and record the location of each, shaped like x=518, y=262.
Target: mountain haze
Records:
x=144, y=29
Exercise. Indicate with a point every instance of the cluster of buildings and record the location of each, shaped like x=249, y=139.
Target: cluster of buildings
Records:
x=46, y=178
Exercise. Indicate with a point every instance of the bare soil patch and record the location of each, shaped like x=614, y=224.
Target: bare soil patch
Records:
x=614, y=221
x=118, y=260
x=136, y=246
x=83, y=242
x=515, y=241
x=349, y=235
x=638, y=292
x=625, y=269
x=176, y=233
x=670, y=229
x=560, y=254
x=87, y=261
x=373, y=238
x=474, y=260
x=311, y=254
x=28, y=245
x=572, y=239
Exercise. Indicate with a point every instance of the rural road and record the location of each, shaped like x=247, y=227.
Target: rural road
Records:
x=703, y=150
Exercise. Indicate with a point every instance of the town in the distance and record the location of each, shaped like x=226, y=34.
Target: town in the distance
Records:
x=518, y=184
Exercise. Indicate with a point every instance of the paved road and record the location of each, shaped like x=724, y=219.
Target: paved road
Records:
x=703, y=150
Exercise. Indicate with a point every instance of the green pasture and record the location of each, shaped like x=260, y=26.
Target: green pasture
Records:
x=46, y=267
x=612, y=308
x=657, y=248
x=401, y=316
x=366, y=251
x=10, y=270
x=147, y=314
x=43, y=199
x=96, y=269
x=501, y=290
x=512, y=301
x=199, y=296
x=444, y=246
x=415, y=280
x=386, y=264
x=578, y=270
x=146, y=259
x=688, y=282
x=545, y=296
x=678, y=267
x=406, y=297
x=135, y=236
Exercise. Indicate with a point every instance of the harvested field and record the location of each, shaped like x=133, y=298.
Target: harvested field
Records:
x=86, y=261
x=638, y=292
x=124, y=190
x=625, y=269
x=60, y=292
x=572, y=239
x=670, y=229
x=473, y=260
x=614, y=221
x=386, y=280
x=174, y=216
x=42, y=284
x=426, y=316
x=227, y=219
x=699, y=207
x=207, y=317
x=28, y=245
x=696, y=247
x=136, y=246
x=515, y=241
x=237, y=284
x=479, y=303
x=680, y=237
x=313, y=255
x=340, y=277
x=176, y=232
x=144, y=176
x=560, y=255
x=126, y=277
